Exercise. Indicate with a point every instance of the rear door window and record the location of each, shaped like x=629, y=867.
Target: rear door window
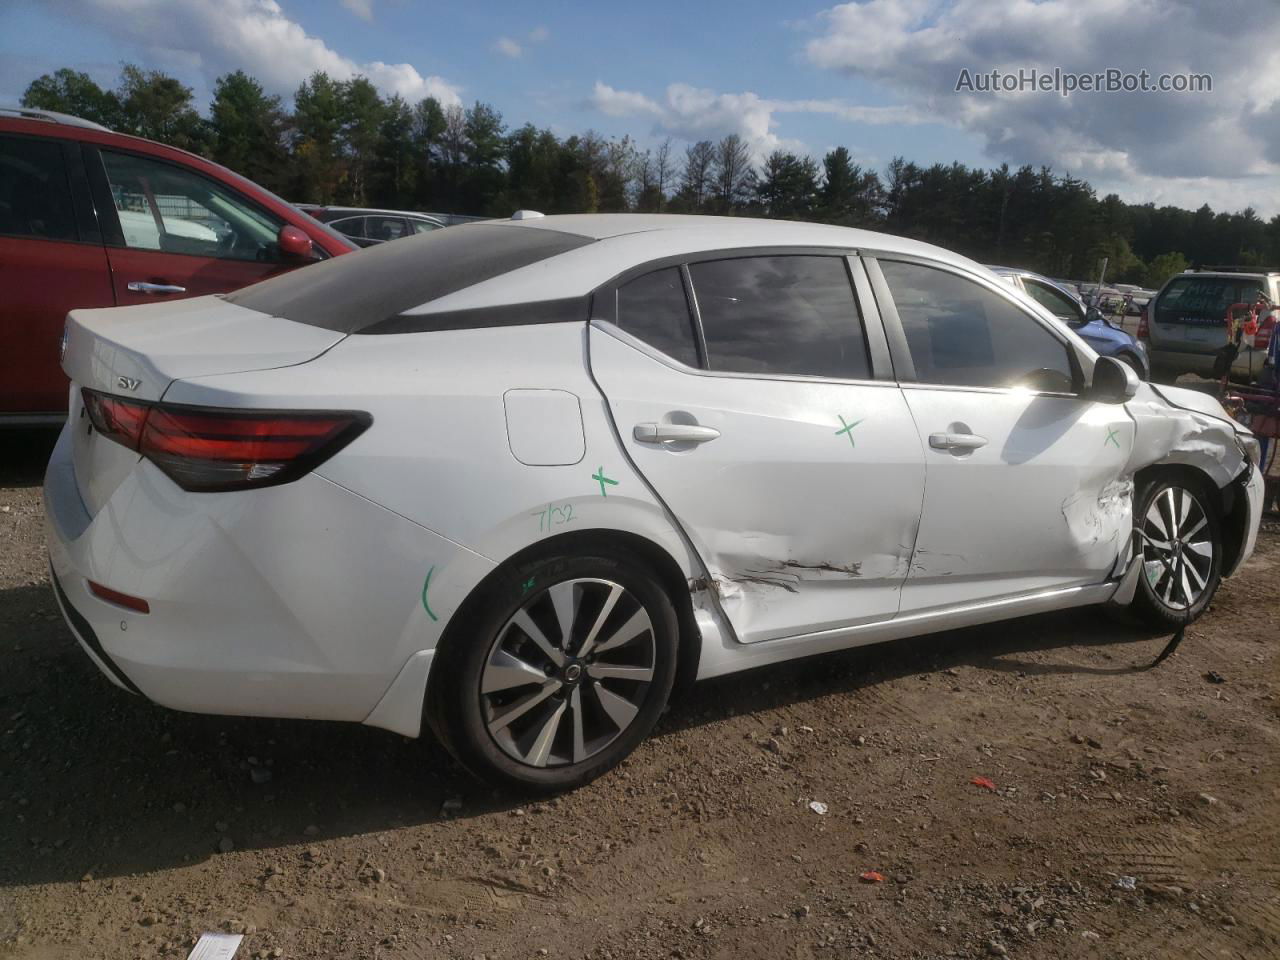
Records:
x=962, y=334
x=788, y=315
x=1203, y=301
x=653, y=308
x=35, y=195
x=350, y=226
x=385, y=228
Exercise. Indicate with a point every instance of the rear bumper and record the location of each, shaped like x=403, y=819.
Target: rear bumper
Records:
x=303, y=600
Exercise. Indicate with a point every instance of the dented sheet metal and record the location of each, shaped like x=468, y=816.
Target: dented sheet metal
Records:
x=1177, y=426
x=1101, y=518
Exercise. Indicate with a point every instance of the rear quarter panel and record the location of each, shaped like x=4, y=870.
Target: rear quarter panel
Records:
x=440, y=455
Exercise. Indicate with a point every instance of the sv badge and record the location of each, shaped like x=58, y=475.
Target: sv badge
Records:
x=128, y=383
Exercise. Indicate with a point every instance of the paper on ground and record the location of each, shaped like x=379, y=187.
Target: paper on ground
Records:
x=215, y=946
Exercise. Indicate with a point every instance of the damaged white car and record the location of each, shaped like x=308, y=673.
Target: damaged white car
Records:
x=515, y=479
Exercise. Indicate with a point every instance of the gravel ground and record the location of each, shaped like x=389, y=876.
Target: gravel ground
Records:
x=1135, y=813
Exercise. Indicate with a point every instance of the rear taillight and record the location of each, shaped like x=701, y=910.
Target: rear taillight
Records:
x=1144, y=328
x=209, y=448
x=116, y=418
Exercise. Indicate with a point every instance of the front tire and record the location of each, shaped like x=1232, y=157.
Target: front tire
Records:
x=1180, y=536
x=564, y=668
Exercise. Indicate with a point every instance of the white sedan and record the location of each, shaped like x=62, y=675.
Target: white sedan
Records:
x=518, y=478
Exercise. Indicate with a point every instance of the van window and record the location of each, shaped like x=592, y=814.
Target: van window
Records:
x=1203, y=301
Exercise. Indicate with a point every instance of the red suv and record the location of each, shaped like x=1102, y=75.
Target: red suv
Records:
x=91, y=218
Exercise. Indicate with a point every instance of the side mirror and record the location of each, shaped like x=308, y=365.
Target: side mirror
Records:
x=1113, y=381
x=294, y=243
x=1091, y=315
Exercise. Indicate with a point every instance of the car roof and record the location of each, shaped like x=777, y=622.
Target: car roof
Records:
x=1260, y=273
x=619, y=242
x=360, y=211
x=51, y=116
x=525, y=269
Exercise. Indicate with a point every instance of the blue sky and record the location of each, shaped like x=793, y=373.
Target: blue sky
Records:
x=877, y=76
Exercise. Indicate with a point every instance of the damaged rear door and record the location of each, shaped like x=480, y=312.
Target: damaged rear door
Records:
x=758, y=401
x=1025, y=485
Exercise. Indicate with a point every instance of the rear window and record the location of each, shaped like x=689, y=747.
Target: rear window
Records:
x=35, y=197
x=1204, y=300
x=370, y=291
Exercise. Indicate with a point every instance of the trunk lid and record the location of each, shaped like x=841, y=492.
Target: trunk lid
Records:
x=137, y=352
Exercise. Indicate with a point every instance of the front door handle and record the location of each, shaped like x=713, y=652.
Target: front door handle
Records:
x=956, y=441
x=142, y=286
x=673, y=433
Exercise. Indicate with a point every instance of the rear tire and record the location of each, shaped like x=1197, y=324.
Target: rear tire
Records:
x=563, y=669
x=1180, y=536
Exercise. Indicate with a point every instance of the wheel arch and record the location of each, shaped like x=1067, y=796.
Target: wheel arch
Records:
x=1230, y=501
x=651, y=554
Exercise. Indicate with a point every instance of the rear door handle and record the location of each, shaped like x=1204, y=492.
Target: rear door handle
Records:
x=673, y=432
x=956, y=441
x=142, y=286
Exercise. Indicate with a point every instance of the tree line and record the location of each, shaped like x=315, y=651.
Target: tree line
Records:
x=342, y=142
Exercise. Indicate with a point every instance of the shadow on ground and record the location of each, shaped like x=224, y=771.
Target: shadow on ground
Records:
x=104, y=783
x=25, y=453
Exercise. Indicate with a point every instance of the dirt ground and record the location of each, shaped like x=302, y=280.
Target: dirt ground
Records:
x=1136, y=813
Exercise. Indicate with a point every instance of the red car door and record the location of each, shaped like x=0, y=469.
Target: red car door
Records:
x=183, y=234
x=51, y=261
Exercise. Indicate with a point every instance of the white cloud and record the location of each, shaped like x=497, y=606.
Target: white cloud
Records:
x=514, y=48
x=691, y=113
x=253, y=35
x=1171, y=147
x=361, y=8
x=508, y=47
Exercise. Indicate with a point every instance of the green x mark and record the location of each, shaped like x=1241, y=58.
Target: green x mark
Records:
x=601, y=479
x=848, y=427
x=1111, y=437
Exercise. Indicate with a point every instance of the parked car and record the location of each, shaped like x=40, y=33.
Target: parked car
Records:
x=1185, y=323
x=91, y=218
x=522, y=492
x=1088, y=322
x=370, y=227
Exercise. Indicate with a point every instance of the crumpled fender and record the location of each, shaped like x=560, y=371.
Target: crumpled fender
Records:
x=1179, y=426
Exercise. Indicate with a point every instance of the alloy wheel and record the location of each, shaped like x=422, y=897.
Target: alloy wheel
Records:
x=1177, y=548
x=568, y=672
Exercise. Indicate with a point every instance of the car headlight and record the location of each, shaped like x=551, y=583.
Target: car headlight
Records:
x=1250, y=447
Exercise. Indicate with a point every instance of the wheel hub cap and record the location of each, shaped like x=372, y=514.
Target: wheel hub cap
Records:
x=568, y=672
x=1177, y=549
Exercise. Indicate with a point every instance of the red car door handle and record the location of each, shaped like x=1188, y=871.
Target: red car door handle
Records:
x=142, y=286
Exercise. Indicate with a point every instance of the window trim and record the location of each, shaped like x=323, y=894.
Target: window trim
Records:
x=898, y=339
x=615, y=331
x=113, y=232
x=604, y=308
